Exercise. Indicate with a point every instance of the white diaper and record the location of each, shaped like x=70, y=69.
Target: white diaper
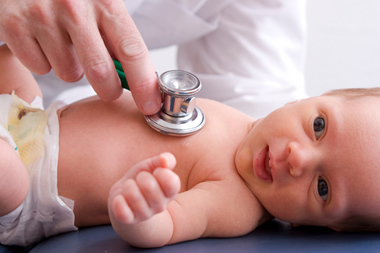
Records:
x=43, y=213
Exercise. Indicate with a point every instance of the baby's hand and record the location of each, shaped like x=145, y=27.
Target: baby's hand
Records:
x=145, y=190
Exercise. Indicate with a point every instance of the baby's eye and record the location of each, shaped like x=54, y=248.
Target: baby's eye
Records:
x=319, y=127
x=323, y=189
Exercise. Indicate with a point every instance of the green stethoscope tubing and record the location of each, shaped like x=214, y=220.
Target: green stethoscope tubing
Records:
x=120, y=72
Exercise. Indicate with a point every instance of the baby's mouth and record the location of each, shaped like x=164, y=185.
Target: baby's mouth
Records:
x=261, y=166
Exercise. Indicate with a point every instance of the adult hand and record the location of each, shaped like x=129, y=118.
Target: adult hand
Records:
x=76, y=37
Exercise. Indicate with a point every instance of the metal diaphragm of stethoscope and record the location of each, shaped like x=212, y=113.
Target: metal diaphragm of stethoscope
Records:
x=179, y=115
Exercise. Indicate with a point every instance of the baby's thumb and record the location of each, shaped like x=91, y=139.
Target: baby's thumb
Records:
x=165, y=160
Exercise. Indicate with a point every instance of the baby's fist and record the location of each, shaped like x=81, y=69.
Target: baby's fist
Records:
x=146, y=189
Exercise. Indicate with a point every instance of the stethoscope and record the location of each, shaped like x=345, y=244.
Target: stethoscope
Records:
x=179, y=115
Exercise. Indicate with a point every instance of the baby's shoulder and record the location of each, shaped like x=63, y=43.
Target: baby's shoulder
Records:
x=223, y=114
x=225, y=127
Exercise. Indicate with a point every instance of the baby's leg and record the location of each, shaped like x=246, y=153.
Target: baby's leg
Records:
x=14, y=179
x=146, y=189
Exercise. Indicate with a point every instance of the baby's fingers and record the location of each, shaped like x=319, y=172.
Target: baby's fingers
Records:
x=154, y=195
x=164, y=160
x=134, y=208
x=169, y=182
x=121, y=210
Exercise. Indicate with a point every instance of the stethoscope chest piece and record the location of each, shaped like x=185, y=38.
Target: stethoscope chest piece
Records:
x=179, y=115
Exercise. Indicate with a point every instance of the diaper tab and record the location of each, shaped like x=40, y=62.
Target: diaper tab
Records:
x=27, y=127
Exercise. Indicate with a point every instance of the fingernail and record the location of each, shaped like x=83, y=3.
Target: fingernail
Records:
x=170, y=159
x=150, y=107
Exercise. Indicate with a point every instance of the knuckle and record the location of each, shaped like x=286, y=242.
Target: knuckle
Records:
x=9, y=21
x=39, y=13
x=72, y=9
x=133, y=49
x=171, y=187
x=111, y=8
x=107, y=4
x=11, y=24
x=98, y=70
x=147, y=187
x=144, y=86
x=132, y=197
x=130, y=193
x=146, y=184
x=65, y=4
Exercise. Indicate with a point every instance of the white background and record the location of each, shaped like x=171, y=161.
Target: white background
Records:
x=343, y=45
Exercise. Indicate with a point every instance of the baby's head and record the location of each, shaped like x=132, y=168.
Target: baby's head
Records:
x=317, y=161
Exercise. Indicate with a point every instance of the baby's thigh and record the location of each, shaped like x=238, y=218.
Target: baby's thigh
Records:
x=14, y=179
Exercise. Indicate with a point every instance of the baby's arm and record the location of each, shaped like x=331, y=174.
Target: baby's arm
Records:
x=14, y=179
x=223, y=207
x=15, y=77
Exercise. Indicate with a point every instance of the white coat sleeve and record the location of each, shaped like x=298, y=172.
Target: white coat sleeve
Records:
x=253, y=60
x=174, y=22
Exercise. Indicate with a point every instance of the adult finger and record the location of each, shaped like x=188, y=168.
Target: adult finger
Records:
x=92, y=53
x=30, y=55
x=21, y=41
x=130, y=49
x=55, y=43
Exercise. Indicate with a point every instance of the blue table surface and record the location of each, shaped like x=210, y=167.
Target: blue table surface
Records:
x=274, y=236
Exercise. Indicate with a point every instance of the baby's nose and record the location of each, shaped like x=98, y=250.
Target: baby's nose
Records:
x=299, y=159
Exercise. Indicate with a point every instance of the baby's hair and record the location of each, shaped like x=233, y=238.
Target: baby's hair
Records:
x=355, y=92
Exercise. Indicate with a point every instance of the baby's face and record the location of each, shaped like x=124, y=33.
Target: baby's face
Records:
x=316, y=161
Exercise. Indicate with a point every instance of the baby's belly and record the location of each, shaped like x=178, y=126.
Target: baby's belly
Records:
x=99, y=143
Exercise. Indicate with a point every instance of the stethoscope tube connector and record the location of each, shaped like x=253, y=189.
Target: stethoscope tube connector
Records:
x=179, y=114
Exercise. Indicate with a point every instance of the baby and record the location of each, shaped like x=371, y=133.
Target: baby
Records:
x=312, y=162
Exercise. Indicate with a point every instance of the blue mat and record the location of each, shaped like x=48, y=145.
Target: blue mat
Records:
x=274, y=236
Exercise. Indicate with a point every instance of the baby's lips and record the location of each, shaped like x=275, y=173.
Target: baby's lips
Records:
x=261, y=165
x=268, y=167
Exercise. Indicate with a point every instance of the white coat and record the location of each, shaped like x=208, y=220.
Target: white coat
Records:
x=248, y=54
